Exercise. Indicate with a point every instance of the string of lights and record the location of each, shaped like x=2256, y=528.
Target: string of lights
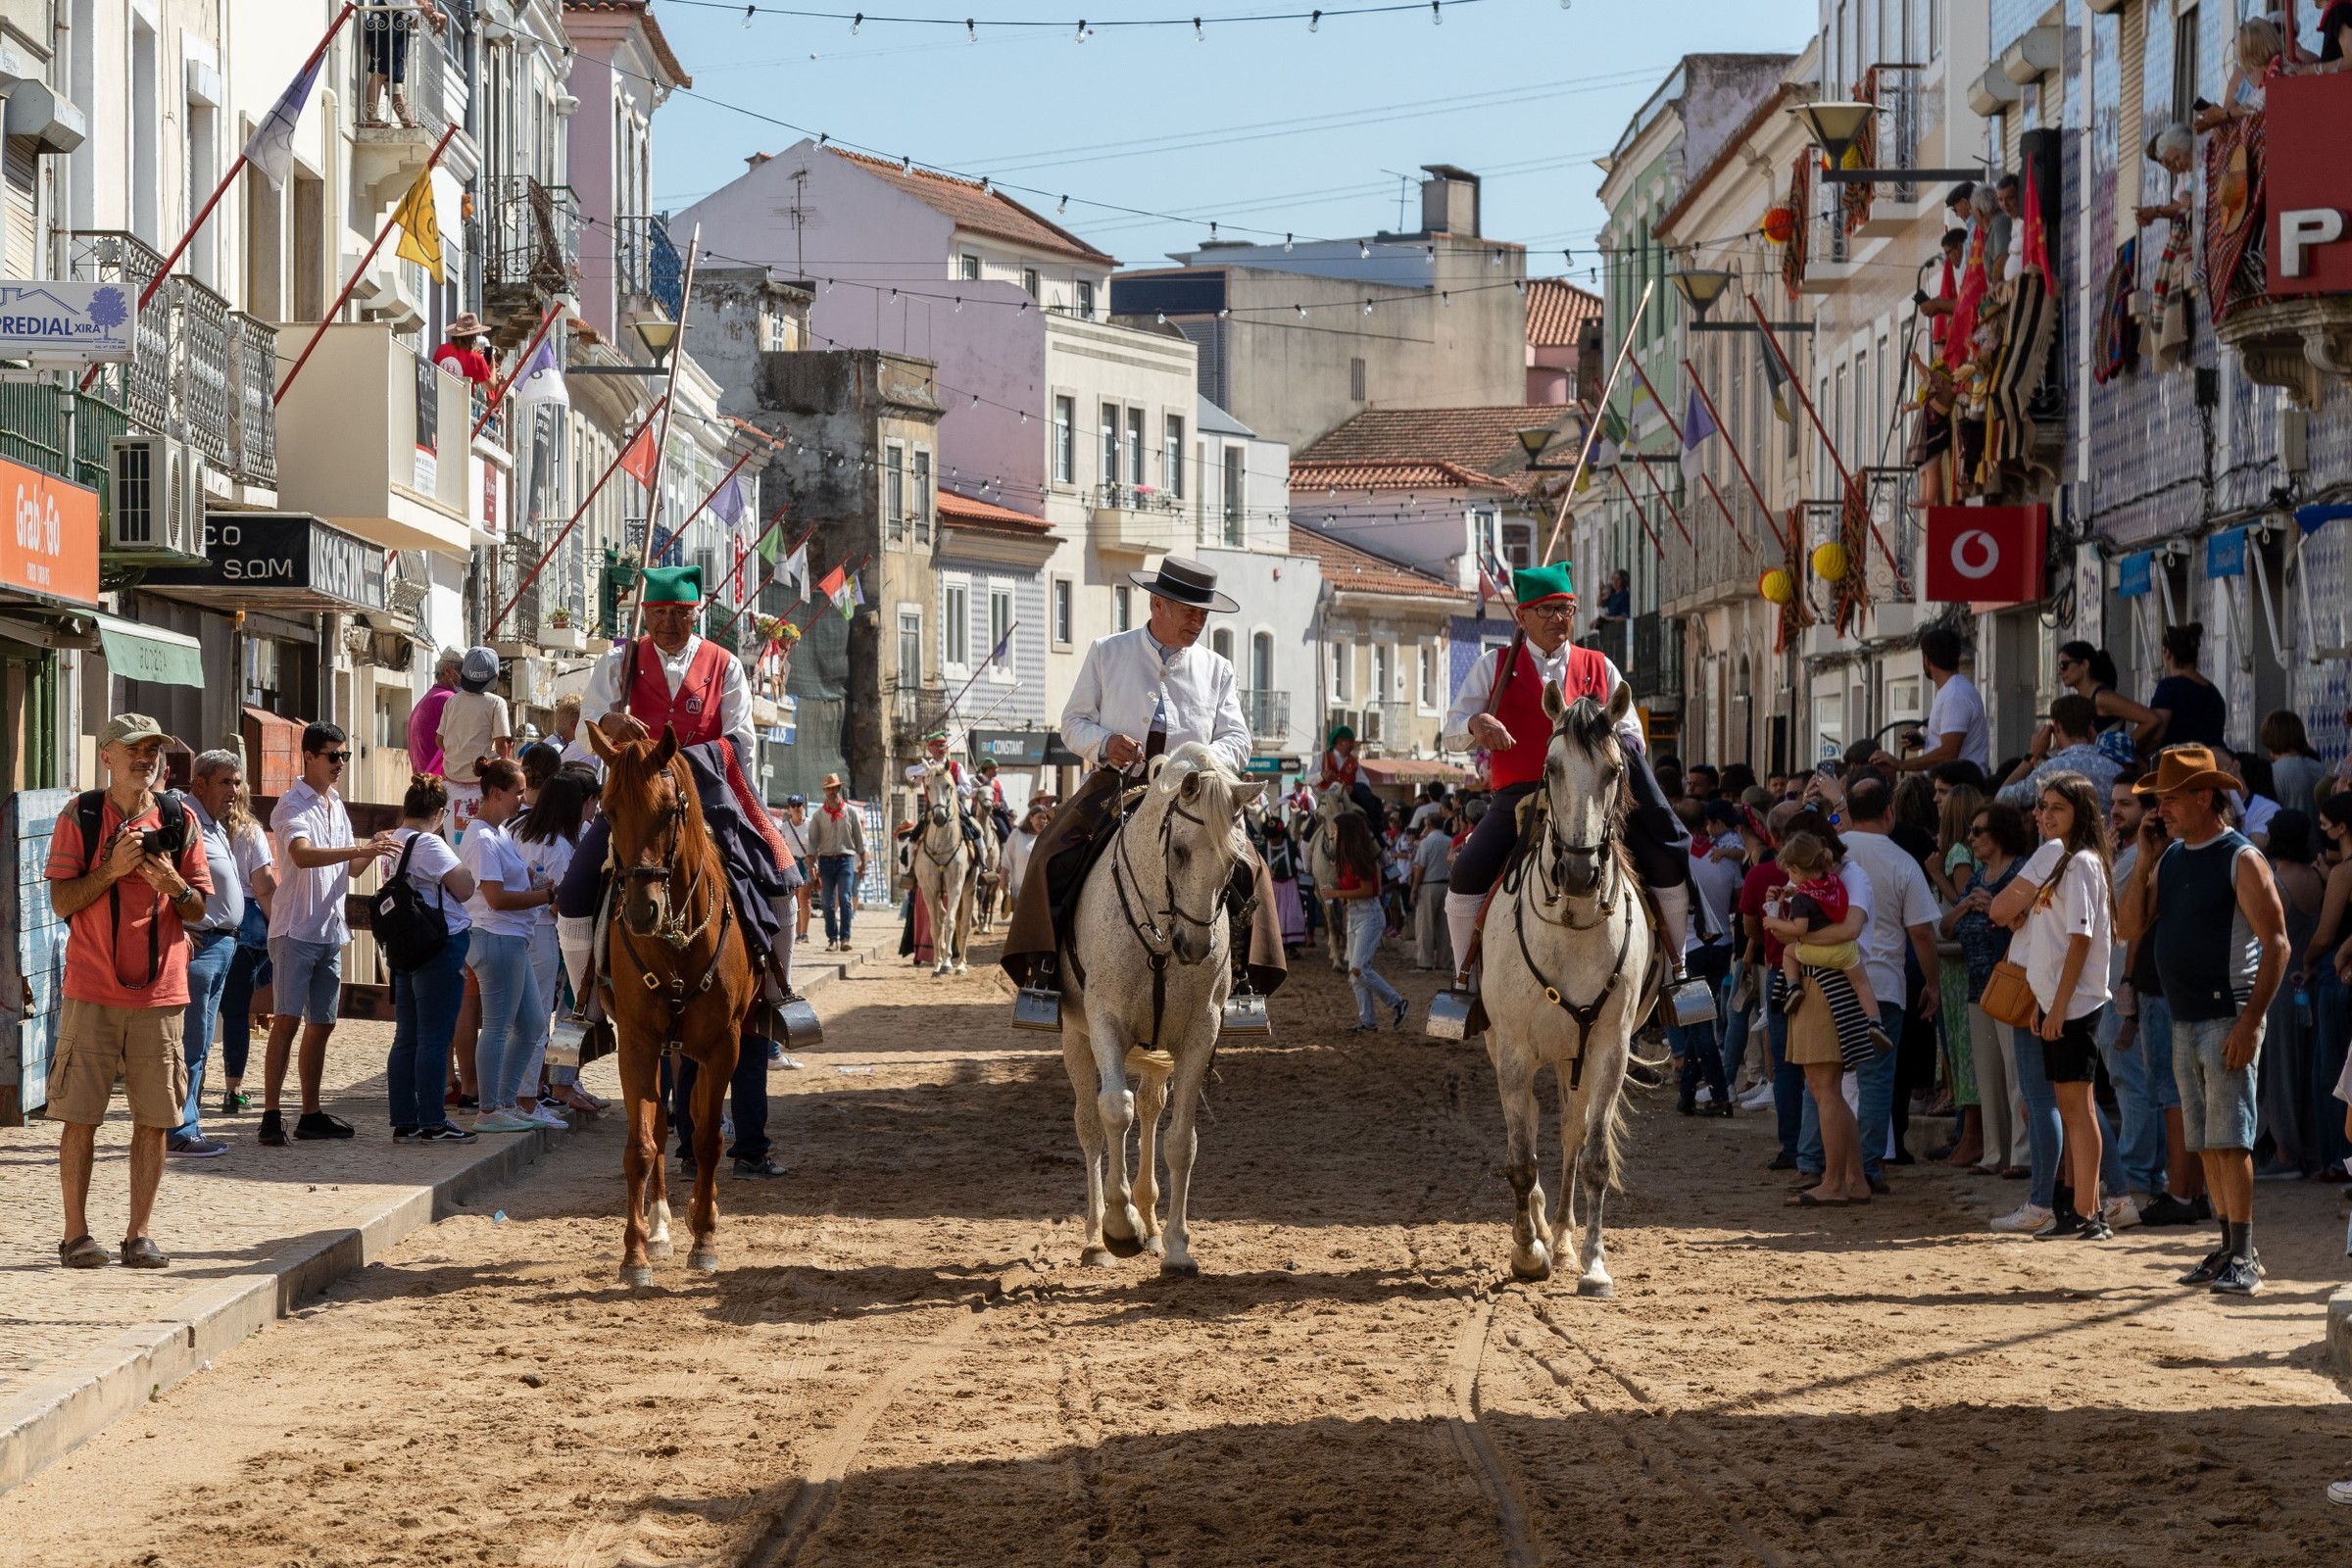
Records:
x=1082, y=30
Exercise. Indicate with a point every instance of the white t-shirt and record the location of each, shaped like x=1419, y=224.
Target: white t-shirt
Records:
x=550, y=861
x=1900, y=899
x=432, y=860
x=251, y=850
x=1717, y=879
x=493, y=857
x=2077, y=907
x=1959, y=707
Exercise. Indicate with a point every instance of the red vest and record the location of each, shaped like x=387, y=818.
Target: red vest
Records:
x=1520, y=708
x=694, y=711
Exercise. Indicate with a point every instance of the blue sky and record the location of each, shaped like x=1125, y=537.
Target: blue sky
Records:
x=1265, y=129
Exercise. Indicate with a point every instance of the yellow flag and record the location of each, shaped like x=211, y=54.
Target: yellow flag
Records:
x=420, y=229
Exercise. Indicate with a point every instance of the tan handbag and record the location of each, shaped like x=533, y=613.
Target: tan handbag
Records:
x=2009, y=997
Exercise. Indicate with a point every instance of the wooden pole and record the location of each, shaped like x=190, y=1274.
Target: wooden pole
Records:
x=1753, y=489
x=352, y=283
x=1853, y=494
x=652, y=512
x=1584, y=457
x=490, y=632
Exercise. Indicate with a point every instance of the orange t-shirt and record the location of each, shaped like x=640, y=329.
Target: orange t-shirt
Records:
x=106, y=960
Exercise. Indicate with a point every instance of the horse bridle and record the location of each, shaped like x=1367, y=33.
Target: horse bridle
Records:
x=922, y=843
x=1552, y=890
x=1156, y=942
x=672, y=928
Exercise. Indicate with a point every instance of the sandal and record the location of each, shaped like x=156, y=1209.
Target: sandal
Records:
x=84, y=1251
x=1806, y=1199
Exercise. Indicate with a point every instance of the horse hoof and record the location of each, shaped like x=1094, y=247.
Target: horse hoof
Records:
x=1600, y=1288
x=1533, y=1268
x=637, y=1276
x=1171, y=1269
x=1097, y=1257
x=703, y=1261
x=1155, y=1247
x=1123, y=1246
x=964, y=968
x=656, y=1249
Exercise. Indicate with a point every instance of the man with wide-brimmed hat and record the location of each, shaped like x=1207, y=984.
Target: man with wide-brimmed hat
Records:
x=1141, y=694
x=1499, y=710
x=2207, y=899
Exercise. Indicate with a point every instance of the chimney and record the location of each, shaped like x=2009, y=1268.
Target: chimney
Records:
x=757, y=158
x=1449, y=201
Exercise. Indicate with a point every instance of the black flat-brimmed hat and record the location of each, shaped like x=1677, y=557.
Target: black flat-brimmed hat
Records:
x=1185, y=582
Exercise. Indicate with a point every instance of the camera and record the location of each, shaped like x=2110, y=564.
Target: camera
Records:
x=169, y=839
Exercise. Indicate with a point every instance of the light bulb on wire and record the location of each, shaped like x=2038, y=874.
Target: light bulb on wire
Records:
x=1364, y=250
x=857, y=21
x=1286, y=244
x=1301, y=310
x=1314, y=21
x=749, y=12
x=1437, y=13
x=1197, y=35
x=1367, y=306
x=972, y=34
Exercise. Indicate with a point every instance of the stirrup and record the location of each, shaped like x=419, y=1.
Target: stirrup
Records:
x=1450, y=1012
x=1037, y=1006
x=1245, y=1015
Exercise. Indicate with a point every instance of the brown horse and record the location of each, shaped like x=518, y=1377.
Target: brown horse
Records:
x=681, y=982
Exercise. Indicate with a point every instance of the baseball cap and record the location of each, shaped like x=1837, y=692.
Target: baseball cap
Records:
x=795, y=800
x=480, y=666
x=129, y=729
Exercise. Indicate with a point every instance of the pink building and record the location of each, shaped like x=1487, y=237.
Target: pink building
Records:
x=1560, y=318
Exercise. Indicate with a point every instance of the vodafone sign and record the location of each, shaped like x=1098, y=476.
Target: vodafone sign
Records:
x=1986, y=555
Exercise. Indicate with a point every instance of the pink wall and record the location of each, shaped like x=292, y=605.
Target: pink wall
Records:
x=869, y=237
x=589, y=135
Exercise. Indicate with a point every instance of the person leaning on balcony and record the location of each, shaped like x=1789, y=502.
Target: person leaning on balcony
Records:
x=384, y=43
x=2261, y=55
x=129, y=892
x=462, y=352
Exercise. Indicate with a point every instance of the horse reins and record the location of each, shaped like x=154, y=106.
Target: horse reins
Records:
x=1551, y=890
x=673, y=929
x=1157, y=945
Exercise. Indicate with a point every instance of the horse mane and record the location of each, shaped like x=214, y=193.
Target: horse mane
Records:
x=692, y=830
x=1587, y=723
x=1196, y=759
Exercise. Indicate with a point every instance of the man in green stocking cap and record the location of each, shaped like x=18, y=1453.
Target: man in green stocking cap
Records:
x=1499, y=710
x=672, y=675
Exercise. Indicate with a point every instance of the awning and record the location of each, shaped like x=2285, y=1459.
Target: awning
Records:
x=1412, y=770
x=281, y=560
x=150, y=653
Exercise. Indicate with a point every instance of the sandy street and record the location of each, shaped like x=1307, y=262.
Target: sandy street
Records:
x=902, y=1363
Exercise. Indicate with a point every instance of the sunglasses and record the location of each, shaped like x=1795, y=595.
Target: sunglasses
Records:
x=1977, y=830
x=336, y=757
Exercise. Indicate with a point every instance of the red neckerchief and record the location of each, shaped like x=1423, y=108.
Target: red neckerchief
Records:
x=833, y=810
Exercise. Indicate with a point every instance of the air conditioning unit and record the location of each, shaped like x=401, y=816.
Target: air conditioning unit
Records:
x=157, y=492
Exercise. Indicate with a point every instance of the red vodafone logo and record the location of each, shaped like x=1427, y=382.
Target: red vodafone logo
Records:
x=1976, y=555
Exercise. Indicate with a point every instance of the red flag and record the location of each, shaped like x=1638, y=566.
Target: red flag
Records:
x=830, y=584
x=638, y=460
x=1986, y=554
x=2035, y=245
x=1959, y=346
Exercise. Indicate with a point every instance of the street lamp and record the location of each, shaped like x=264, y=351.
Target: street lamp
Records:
x=659, y=335
x=1834, y=125
x=1700, y=287
x=1533, y=439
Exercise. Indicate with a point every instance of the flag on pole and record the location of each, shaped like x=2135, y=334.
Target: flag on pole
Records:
x=1777, y=380
x=830, y=584
x=731, y=505
x=851, y=598
x=1698, y=422
x=541, y=380
x=638, y=460
x=419, y=228
x=272, y=149
x=2034, y=244
x=794, y=569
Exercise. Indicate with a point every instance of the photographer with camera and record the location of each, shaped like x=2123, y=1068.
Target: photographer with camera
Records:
x=126, y=869
x=310, y=832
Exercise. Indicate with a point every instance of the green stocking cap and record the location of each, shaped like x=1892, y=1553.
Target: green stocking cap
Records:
x=1535, y=584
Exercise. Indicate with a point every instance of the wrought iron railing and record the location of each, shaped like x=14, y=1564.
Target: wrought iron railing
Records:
x=530, y=235
x=645, y=264
x=58, y=430
x=401, y=65
x=1386, y=724
x=200, y=371
x=1656, y=669
x=253, y=383
x=1268, y=715
x=915, y=710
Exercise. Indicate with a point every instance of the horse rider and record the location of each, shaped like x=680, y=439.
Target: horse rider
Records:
x=991, y=793
x=935, y=762
x=1139, y=695
x=1341, y=771
x=1512, y=728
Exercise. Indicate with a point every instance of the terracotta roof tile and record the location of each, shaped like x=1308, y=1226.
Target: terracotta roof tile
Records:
x=1557, y=311
x=1350, y=569
x=643, y=10
x=962, y=511
x=1402, y=449
x=982, y=212
x=1309, y=475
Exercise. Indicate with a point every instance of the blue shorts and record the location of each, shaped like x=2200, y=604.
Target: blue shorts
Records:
x=2216, y=1105
x=308, y=978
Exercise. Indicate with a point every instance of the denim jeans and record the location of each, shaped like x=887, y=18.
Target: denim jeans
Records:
x=210, y=955
x=248, y=969
x=747, y=1095
x=2331, y=1008
x=2140, y=1142
x=513, y=1020
x=837, y=894
x=1367, y=922
x=547, y=968
x=425, y=1018
x=1788, y=1083
x=2045, y=1133
x=1735, y=1028
x=1873, y=1081
x=1701, y=1058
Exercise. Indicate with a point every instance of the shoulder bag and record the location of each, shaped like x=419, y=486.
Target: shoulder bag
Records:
x=410, y=932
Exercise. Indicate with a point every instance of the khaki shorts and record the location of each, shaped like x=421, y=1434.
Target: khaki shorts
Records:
x=142, y=1046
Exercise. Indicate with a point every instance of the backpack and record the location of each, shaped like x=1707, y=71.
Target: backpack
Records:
x=171, y=811
x=409, y=932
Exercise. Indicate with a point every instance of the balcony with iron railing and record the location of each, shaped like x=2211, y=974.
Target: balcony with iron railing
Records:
x=1269, y=717
x=530, y=243
x=1656, y=669
x=199, y=371
x=404, y=91
x=1136, y=517
x=646, y=266
x=915, y=709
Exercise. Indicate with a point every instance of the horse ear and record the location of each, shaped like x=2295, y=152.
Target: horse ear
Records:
x=1555, y=705
x=1621, y=701
x=1247, y=794
x=1191, y=788
x=599, y=742
x=667, y=749
x=1153, y=768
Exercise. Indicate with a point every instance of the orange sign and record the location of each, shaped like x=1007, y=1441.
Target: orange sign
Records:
x=50, y=543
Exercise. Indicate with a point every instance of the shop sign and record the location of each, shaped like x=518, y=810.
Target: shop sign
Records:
x=282, y=557
x=2225, y=555
x=2135, y=575
x=73, y=324
x=51, y=545
x=1010, y=747
x=2307, y=183
x=1986, y=555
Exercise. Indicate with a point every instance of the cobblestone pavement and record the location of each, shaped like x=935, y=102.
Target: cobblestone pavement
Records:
x=218, y=1219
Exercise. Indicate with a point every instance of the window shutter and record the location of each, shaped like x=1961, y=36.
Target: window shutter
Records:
x=24, y=238
x=2131, y=137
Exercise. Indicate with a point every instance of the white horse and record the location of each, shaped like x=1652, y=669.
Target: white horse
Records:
x=988, y=875
x=1567, y=951
x=1322, y=858
x=943, y=880
x=1147, y=966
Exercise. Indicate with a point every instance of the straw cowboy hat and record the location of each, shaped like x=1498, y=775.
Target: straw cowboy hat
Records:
x=2186, y=768
x=468, y=325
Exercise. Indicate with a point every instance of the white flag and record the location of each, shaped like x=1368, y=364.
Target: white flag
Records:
x=794, y=569
x=542, y=378
x=272, y=149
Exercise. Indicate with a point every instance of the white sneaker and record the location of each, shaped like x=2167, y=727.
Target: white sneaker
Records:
x=504, y=1121
x=2026, y=1219
x=1758, y=1098
x=546, y=1115
x=2120, y=1212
